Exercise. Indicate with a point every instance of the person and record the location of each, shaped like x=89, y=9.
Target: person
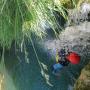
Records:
x=65, y=59
x=61, y=61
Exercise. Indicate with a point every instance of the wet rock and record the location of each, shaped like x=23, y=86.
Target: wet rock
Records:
x=81, y=39
x=88, y=17
x=88, y=40
x=61, y=23
x=83, y=82
x=77, y=16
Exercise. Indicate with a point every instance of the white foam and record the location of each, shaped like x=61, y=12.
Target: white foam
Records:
x=85, y=7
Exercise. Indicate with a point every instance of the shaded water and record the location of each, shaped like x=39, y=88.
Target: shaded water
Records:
x=31, y=73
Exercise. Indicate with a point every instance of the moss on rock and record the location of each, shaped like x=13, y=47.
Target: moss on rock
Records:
x=83, y=83
x=69, y=4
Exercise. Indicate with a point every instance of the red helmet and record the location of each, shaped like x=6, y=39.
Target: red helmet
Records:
x=73, y=57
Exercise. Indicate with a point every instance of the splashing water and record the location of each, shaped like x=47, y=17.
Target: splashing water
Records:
x=78, y=16
x=85, y=7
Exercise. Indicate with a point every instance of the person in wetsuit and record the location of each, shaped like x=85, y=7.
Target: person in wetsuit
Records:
x=62, y=61
x=62, y=54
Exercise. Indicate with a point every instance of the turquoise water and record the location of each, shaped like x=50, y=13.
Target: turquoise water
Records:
x=30, y=73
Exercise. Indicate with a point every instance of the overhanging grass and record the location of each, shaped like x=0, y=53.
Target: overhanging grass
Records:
x=18, y=17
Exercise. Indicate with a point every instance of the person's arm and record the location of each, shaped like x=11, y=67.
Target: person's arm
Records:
x=57, y=56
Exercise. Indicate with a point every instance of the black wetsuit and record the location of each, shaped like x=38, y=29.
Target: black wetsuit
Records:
x=63, y=61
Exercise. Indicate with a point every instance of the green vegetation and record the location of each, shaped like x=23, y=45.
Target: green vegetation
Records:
x=19, y=17
x=69, y=3
x=83, y=83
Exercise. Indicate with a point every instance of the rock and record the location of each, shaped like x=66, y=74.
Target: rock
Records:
x=83, y=82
